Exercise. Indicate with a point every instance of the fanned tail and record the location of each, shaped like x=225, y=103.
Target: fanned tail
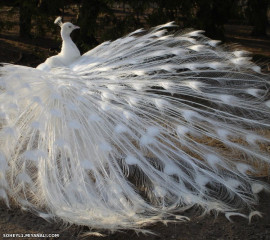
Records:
x=136, y=131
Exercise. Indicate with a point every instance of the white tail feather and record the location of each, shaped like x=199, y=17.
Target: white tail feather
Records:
x=135, y=130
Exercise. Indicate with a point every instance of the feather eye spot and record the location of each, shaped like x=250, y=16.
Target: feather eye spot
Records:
x=106, y=147
x=120, y=128
x=74, y=124
x=256, y=188
x=55, y=113
x=182, y=130
x=160, y=191
x=131, y=160
x=87, y=165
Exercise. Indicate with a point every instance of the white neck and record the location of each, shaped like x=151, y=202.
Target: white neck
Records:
x=69, y=50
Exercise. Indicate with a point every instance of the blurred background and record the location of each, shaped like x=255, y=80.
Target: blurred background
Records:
x=28, y=34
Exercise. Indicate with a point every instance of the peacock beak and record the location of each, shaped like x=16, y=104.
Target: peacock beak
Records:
x=76, y=27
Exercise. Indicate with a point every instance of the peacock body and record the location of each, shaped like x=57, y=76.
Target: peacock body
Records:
x=135, y=131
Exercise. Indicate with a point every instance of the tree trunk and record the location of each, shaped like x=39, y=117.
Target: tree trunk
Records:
x=258, y=16
x=87, y=21
x=25, y=19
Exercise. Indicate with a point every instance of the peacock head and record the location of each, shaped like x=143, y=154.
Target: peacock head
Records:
x=66, y=28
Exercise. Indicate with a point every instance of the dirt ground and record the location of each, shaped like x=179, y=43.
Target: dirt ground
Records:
x=15, y=221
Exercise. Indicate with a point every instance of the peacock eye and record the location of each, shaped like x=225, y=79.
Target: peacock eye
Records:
x=69, y=26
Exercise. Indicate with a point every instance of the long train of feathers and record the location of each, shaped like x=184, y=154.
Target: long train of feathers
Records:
x=135, y=131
